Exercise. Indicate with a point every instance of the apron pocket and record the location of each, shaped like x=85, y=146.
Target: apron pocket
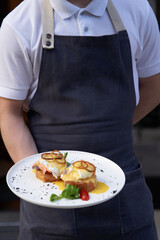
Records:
x=135, y=202
x=99, y=221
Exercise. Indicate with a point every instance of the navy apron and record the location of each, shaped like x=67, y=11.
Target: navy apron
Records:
x=85, y=101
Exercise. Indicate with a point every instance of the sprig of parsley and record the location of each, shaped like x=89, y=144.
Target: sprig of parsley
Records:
x=70, y=192
x=54, y=197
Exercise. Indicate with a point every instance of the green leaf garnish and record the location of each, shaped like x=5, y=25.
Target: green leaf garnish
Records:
x=65, y=155
x=54, y=197
x=68, y=164
x=70, y=192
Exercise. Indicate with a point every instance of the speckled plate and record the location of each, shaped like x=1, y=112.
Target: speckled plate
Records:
x=23, y=182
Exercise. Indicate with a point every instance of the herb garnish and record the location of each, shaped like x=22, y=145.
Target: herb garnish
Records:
x=70, y=192
x=65, y=156
x=68, y=164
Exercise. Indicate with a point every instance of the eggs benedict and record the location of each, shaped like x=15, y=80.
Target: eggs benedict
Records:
x=81, y=174
x=50, y=166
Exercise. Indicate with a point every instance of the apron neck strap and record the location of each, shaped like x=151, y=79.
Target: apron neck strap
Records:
x=47, y=25
x=48, y=22
x=114, y=17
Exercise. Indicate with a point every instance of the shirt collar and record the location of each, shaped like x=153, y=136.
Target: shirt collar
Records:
x=65, y=9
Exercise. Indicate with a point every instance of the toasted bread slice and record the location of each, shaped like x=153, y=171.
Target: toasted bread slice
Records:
x=88, y=184
x=47, y=177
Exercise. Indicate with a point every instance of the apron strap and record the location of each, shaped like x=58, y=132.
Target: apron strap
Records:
x=48, y=22
x=114, y=17
x=47, y=25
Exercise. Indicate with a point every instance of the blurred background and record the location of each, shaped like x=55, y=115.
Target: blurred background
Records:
x=146, y=142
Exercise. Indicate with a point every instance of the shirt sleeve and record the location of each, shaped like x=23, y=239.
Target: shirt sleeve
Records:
x=15, y=65
x=148, y=62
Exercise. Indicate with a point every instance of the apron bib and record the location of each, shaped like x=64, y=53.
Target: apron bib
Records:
x=85, y=101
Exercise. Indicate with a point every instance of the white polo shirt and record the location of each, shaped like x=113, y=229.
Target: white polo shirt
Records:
x=21, y=39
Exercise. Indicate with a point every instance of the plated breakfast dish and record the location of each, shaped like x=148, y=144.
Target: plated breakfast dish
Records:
x=34, y=185
x=81, y=174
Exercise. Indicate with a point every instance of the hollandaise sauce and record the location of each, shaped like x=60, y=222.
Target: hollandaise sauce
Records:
x=59, y=184
x=100, y=188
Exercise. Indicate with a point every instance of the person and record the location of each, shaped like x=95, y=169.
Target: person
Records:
x=85, y=71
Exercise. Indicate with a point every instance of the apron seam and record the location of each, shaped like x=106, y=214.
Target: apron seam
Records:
x=121, y=221
x=75, y=222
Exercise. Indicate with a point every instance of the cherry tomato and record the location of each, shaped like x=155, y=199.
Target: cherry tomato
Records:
x=84, y=195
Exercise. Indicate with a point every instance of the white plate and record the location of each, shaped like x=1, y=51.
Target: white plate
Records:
x=23, y=182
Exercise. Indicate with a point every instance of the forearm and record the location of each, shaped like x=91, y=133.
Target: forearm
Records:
x=149, y=97
x=14, y=131
x=17, y=138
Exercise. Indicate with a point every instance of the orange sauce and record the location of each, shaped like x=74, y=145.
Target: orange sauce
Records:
x=59, y=184
x=100, y=188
